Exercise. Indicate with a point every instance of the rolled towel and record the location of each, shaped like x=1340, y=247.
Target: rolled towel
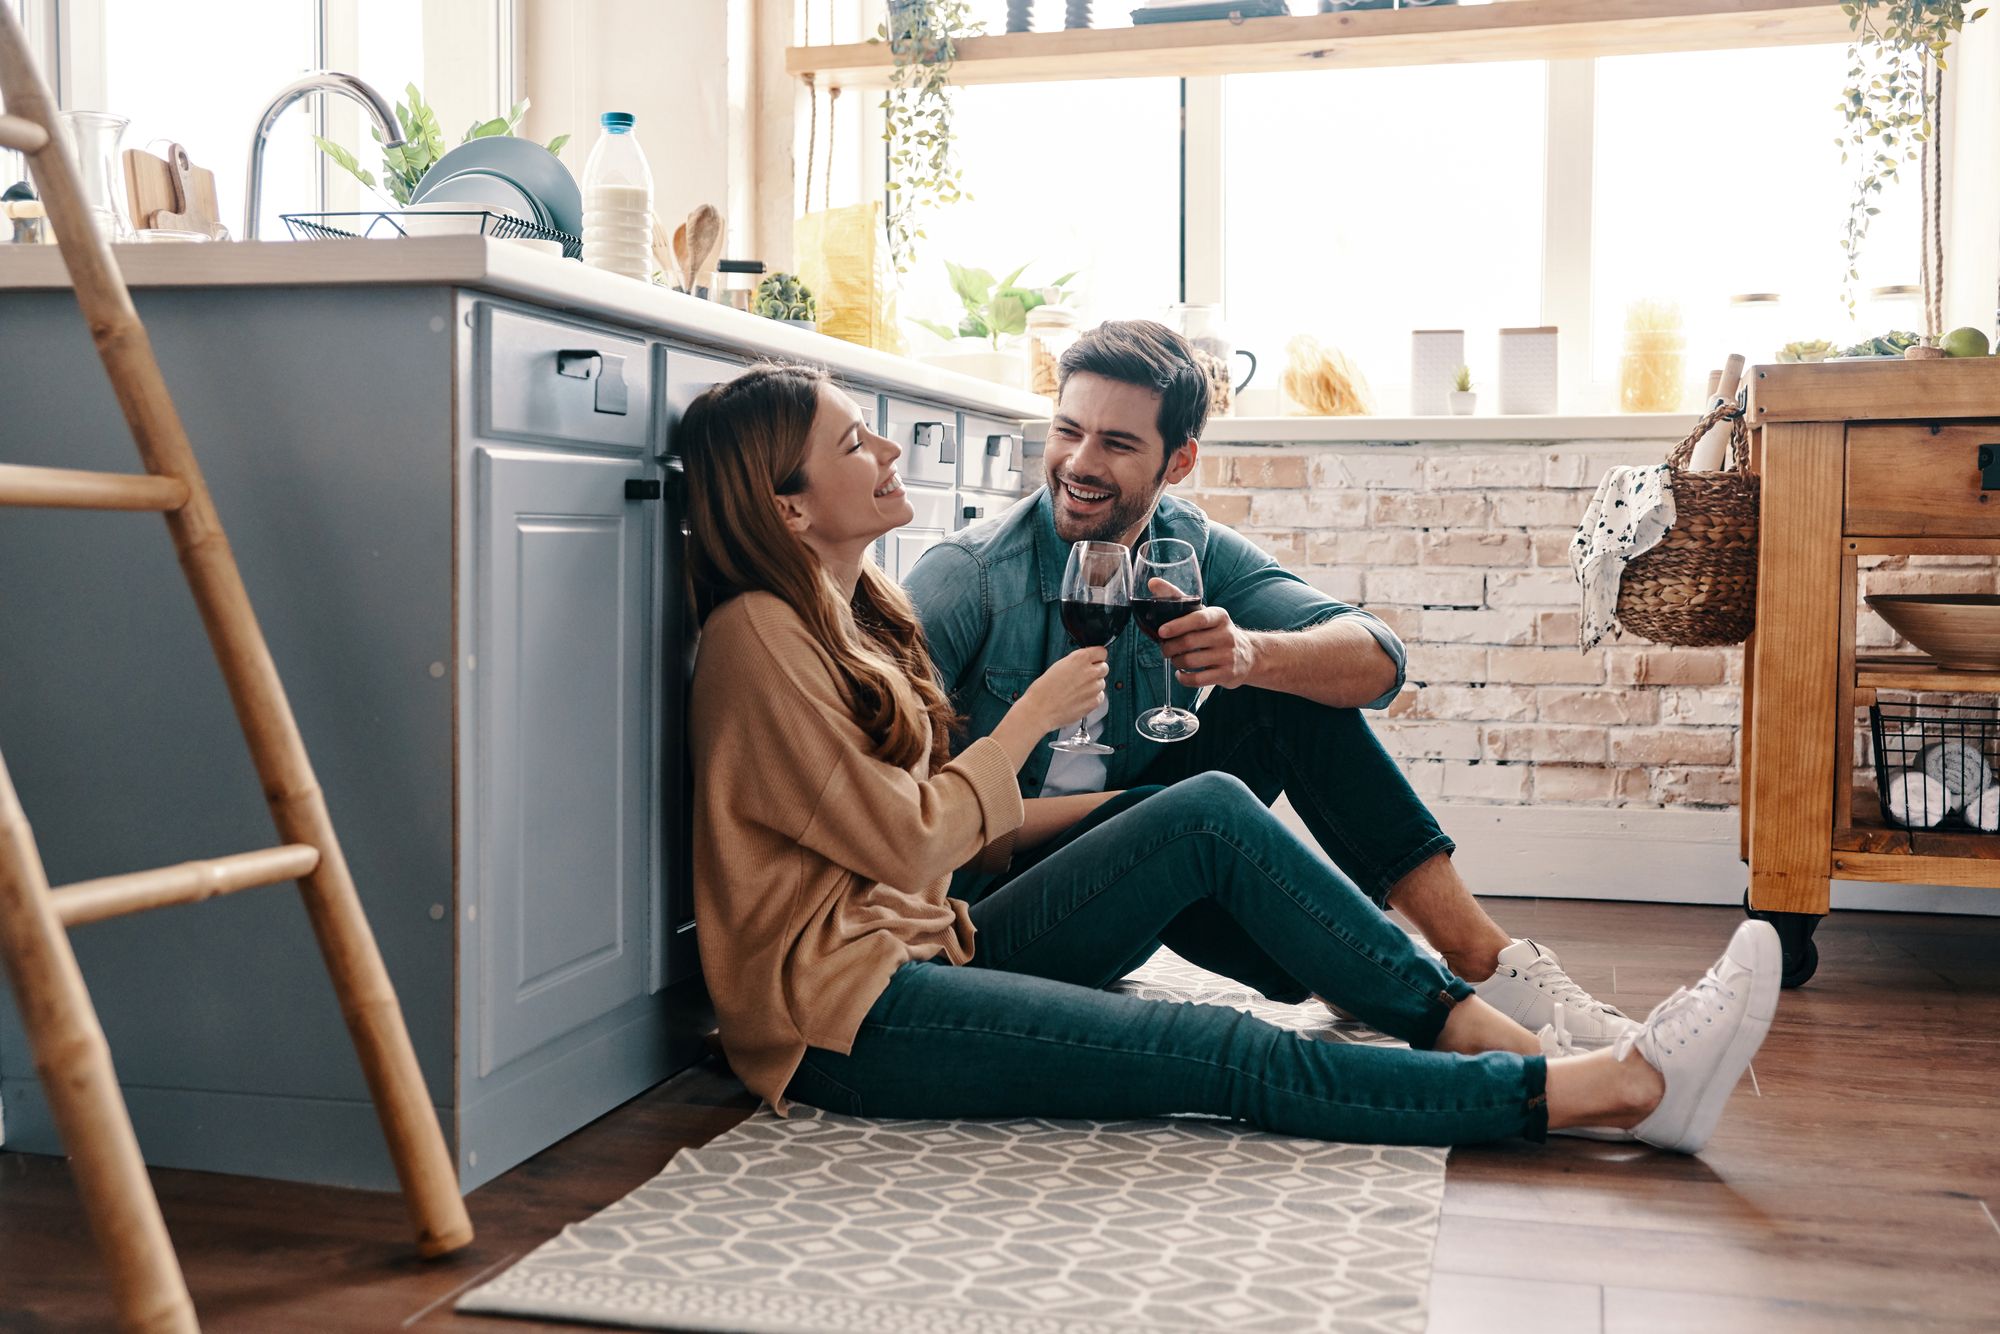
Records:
x=1983, y=811
x=1958, y=765
x=1916, y=800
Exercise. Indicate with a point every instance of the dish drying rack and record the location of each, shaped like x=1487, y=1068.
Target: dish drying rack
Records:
x=366, y=223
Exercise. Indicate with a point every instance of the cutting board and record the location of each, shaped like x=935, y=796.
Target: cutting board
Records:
x=150, y=188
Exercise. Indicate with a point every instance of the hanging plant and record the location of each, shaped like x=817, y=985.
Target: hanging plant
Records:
x=917, y=116
x=1895, y=44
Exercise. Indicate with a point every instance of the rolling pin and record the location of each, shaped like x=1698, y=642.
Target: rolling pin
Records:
x=1712, y=448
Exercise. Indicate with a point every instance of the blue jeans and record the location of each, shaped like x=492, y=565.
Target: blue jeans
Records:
x=1026, y=1029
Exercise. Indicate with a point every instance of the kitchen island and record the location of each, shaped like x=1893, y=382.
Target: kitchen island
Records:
x=448, y=470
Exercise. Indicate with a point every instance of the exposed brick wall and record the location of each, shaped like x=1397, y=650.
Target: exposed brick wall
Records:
x=1463, y=550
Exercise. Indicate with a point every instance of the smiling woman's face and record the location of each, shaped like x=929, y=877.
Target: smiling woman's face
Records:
x=852, y=492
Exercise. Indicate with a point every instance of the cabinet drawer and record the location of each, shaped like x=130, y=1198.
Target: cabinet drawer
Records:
x=992, y=454
x=1908, y=480
x=552, y=382
x=929, y=437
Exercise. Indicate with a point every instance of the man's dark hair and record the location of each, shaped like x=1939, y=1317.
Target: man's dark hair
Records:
x=1146, y=353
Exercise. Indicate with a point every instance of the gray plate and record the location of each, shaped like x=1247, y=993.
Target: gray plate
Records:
x=523, y=162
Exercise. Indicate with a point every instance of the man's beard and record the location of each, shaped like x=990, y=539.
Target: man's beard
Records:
x=1121, y=517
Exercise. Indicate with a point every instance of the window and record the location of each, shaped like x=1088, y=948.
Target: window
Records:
x=203, y=83
x=1064, y=176
x=1362, y=204
x=199, y=72
x=1674, y=216
x=1358, y=205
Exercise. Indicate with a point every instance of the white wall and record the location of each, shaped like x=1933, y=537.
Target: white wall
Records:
x=667, y=62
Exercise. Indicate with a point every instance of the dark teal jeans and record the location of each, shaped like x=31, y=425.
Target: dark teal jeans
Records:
x=1026, y=1029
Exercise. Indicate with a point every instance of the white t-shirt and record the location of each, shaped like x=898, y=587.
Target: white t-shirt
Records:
x=1070, y=773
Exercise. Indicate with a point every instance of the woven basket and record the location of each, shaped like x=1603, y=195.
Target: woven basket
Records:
x=1698, y=587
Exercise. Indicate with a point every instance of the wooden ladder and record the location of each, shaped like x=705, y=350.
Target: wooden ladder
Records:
x=71, y=1056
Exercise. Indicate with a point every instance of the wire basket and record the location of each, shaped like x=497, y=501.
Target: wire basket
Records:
x=1936, y=765
x=389, y=222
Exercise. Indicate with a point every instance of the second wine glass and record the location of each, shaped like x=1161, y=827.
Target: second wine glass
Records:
x=1096, y=603
x=1166, y=585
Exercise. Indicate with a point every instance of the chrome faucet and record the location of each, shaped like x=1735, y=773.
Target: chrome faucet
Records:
x=323, y=80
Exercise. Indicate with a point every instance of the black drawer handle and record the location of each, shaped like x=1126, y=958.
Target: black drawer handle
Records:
x=1989, y=467
x=647, y=488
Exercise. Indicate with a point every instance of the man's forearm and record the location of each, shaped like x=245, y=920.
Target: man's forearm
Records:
x=1338, y=663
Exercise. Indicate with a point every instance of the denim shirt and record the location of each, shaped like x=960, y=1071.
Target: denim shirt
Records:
x=990, y=599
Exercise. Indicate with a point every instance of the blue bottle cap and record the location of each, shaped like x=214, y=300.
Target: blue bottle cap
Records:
x=616, y=121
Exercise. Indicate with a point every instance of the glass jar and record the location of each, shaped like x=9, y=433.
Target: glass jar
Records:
x=1652, y=374
x=1051, y=330
x=93, y=138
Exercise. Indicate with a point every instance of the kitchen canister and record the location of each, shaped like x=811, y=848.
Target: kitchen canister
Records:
x=1435, y=356
x=1528, y=370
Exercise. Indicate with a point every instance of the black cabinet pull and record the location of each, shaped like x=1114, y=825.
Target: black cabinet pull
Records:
x=642, y=488
x=1989, y=467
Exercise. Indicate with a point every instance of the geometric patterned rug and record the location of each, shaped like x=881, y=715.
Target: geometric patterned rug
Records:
x=824, y=1224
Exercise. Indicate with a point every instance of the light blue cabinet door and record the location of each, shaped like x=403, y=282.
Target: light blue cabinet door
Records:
x=562, y=591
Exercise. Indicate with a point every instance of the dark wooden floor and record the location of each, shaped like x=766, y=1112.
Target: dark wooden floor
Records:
x=1853, y=1187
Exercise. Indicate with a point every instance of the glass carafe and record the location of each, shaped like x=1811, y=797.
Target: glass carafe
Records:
x=1201, y=324
x=94, y=137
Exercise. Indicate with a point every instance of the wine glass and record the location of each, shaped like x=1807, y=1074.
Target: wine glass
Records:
x=1166, y=585
x=1096, y=603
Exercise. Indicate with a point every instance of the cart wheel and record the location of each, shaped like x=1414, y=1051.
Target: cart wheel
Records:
x=1795, y=938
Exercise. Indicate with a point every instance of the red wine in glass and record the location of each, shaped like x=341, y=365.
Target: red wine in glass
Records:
x=1155, y=613
x=1094, y=624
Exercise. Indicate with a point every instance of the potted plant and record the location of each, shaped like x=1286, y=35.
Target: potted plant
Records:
x=1461, y=397
x=782, y=297
x=1886, y=102
x=994, y=311
x=403, y=168
x=917, y=116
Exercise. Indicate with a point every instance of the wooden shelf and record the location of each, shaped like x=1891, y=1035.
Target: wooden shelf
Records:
x=1914, y=671
x=1871, y=849
x=1434, y=35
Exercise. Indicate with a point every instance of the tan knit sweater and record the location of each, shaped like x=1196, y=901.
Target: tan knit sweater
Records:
x=819, y=869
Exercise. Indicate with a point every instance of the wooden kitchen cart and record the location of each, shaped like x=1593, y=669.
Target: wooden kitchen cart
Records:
x=1858, y=459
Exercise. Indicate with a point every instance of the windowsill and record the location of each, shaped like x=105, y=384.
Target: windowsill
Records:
x=1416, y=430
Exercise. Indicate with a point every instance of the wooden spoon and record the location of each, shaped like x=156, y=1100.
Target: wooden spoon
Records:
x=681, y=258
x=664, y=255
x=704, y=229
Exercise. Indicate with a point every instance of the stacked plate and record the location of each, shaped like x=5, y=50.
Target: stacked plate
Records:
x=515, y=177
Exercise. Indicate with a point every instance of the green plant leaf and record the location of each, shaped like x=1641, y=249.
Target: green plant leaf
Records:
x=1007, y=315
x=940, y=330
x=1008, y=282
x=972, y=285
x=972, y=327
x=556, y=144
x=488, y=129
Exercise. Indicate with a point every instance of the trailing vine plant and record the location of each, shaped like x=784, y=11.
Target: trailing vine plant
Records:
x=917, y=116
x=1888, y=118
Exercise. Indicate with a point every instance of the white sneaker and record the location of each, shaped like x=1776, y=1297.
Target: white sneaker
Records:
x=1701, y=1038
x=1529, y=986
x=1556, y=1041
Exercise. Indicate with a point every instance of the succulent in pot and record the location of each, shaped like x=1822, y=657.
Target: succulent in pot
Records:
x=781, y=296
x=1462, y=398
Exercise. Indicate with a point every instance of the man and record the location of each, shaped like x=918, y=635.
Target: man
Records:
x=1291, y=668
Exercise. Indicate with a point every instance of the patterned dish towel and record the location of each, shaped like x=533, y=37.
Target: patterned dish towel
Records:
x=1631, y=512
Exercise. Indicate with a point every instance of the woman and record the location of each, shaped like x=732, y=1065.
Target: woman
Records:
x=829, y=816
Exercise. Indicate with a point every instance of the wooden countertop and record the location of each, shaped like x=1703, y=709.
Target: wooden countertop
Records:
x=482, y=264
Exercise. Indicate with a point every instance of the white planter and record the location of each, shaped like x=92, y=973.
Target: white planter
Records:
x=1462, y=401
x=977, y=357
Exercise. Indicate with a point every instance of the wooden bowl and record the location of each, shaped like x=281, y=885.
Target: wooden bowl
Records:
x=1957, y=629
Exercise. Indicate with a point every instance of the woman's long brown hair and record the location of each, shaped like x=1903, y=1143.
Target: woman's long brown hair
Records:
x=745, y=444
